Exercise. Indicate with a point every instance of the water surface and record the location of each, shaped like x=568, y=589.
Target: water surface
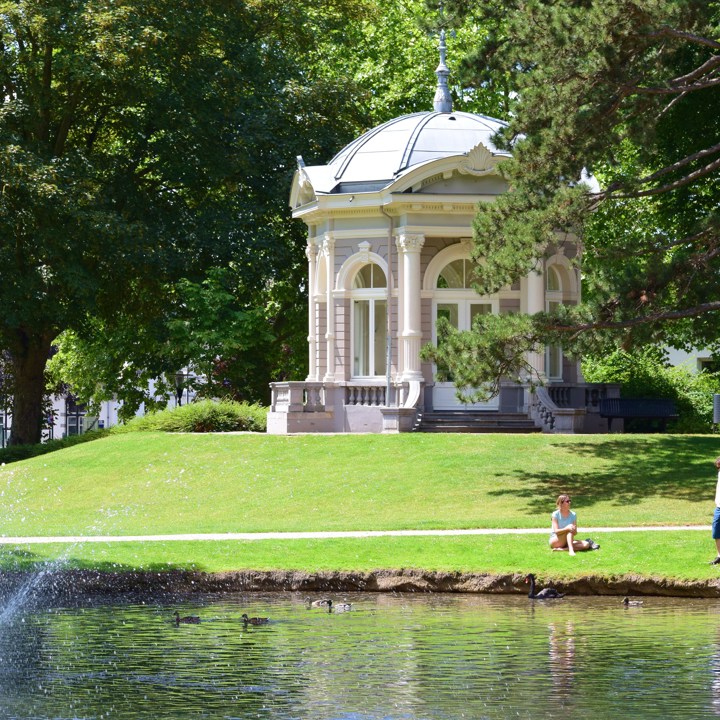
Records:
x=392, y=657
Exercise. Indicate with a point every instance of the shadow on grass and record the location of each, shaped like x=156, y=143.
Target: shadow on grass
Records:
x=674, y=468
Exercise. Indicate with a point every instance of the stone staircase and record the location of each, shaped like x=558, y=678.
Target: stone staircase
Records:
x=469, y=421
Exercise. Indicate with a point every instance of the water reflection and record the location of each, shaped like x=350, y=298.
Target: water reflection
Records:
x=392, y=657
x=562, y=661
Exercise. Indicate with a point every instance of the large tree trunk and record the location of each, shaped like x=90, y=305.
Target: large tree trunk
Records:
x=29, y=356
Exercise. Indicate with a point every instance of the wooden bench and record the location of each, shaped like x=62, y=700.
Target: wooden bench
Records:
x=660, y=409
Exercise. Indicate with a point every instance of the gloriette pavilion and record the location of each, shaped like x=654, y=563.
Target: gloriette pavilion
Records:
x=389, y=223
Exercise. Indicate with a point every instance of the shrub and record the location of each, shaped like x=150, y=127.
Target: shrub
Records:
x=23, y=452
x=647, y=374
x=202, y=416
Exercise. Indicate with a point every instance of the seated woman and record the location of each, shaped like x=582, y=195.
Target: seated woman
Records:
x=564, y=529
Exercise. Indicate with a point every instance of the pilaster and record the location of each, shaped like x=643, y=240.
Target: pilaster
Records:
x=409, y=247
x=328, y=249
x=311, y=251
x=535, y=284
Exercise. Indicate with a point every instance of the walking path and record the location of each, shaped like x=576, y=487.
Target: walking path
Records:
x=325, y=535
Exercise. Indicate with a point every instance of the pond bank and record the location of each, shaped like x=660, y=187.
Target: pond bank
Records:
x=74, y=584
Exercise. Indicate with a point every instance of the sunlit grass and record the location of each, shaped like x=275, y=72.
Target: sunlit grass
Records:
x=161, y=483
x=137, y=484
x=672, y=554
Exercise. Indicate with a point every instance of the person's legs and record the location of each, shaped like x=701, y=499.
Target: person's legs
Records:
x=571, y=543
x=716, y=535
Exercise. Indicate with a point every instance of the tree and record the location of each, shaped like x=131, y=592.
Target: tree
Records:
x=138, y=148
x=244, y=325
x=630, y=91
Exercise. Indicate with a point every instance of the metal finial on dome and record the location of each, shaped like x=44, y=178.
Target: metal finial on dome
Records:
x=443, y=99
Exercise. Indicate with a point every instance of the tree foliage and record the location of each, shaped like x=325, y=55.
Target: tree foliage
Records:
x=496, y=348
x=142, y=143
x=647, y=373
x=630, y=91
x=336, y=72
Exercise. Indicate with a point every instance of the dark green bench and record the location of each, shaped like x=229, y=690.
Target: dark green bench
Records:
x=660, y=409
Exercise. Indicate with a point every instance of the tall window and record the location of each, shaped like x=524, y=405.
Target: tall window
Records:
x=369, y=321
x=449, y=277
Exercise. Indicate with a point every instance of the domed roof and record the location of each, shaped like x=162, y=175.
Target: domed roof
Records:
x=383, y=154
x=388, y=150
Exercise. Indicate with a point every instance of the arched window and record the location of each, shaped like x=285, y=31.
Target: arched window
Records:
x=369, y=321
x=455, y=275
x=459, y=308
x=552, y=280
x=369, y=276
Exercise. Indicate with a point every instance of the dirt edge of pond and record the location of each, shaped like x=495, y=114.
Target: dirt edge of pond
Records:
x=76, y=583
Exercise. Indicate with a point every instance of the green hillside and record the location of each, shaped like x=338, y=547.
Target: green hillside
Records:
x=140, y=483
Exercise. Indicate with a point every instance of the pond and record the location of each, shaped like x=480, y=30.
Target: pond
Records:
x=391, y=657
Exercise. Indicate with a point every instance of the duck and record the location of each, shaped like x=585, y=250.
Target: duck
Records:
x=548, y=593
x=627, y=602
x=187, y=620
x=319, y=603
x=339, y=607
x=254, y=620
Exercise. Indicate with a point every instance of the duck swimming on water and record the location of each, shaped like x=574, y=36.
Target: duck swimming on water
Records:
x=627, y=602
x=339, y=607
x=254, y=620
x=548, y=593
x=319, y=603
x=187, y=620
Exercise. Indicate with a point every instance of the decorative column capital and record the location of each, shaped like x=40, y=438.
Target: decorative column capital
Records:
x=328, y=244
x=410, y=243
x=311, y=251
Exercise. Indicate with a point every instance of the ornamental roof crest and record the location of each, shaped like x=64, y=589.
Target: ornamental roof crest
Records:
x=479, y=161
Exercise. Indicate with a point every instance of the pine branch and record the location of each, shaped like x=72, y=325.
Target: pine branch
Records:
x=700, y=172
x=680, y=34
x=703, y=237
x=708, y=65
x=669, y=315
x=672, y=90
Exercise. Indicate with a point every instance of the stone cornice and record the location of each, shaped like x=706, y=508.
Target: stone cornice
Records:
x=394, y=204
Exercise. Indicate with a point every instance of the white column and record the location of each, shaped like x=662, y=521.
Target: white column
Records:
x=329, y=252
x=312, y=251
x=409, y=248
x=535, y=304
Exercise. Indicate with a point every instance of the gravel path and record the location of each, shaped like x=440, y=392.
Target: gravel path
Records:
x=324, y=535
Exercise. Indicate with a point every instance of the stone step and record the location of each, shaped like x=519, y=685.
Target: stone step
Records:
x=466, y=421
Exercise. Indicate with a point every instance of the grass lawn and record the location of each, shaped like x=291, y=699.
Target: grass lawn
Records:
x=139, y=483
x=680, y=554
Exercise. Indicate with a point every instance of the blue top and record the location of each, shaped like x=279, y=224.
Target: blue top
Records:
x=563, y=522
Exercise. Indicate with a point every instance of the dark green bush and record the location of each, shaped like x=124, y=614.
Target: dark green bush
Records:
x=647, y=374
x=202, y=416
x=23, y=452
